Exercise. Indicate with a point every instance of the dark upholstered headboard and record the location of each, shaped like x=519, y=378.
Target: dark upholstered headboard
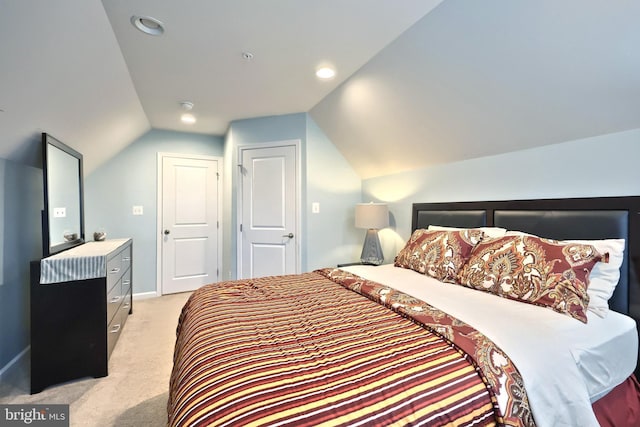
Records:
x=583, y=218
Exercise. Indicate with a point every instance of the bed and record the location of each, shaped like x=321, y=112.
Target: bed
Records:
x=434, y=338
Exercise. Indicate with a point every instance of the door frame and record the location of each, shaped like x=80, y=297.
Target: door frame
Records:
x=159, y=225
x=296, y=143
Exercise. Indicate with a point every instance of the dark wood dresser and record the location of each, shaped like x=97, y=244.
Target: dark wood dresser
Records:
x=80, y=301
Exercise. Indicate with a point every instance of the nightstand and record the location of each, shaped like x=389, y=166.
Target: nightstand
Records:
x=347, y=264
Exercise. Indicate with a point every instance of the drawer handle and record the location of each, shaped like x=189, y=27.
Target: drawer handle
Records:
x=115, y=329
x=126, y=282
x=115, y=299
x=114, y=270
x=125, y=306
x=126, y=259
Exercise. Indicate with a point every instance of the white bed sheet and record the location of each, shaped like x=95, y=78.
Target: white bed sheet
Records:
x=565, y=364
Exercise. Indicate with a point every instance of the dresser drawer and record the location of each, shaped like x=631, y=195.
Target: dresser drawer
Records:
x=125, y=258
x=114, y=299
x=125, y=308
x=114, y=329
x=125, y=283
x=114, y=271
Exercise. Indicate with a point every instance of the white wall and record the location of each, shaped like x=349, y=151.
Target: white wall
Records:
x=606, y=165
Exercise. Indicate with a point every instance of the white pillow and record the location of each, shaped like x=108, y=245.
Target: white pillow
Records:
x=493, y=232
x=604, y=276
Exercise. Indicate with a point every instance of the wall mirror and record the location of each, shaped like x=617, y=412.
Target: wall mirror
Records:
x=63, y=214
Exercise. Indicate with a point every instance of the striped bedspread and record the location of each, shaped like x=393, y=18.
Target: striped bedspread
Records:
x=329, y=348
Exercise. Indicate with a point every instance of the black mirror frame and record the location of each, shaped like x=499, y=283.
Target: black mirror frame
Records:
x=47, y=249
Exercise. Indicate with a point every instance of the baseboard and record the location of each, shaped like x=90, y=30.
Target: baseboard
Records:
x=13, y=361
x=144, y=295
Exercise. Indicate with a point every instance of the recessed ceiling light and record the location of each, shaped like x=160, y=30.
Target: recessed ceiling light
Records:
x=148, y=25
x=188, y=118
x=325, y=73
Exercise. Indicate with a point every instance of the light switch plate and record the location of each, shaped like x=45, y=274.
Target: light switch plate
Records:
x=315, y=207
x=138, y=210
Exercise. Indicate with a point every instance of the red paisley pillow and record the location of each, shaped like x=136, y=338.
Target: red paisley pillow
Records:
x=439, y=254
x=538, y=271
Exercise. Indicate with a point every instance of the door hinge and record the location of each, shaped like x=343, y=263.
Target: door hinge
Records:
x=241, y=228
x=217, y=272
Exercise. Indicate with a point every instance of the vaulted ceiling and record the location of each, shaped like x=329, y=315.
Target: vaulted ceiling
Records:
x=418, y=82
x=478, y=78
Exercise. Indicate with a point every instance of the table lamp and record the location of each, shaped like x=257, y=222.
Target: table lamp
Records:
x=372, y=217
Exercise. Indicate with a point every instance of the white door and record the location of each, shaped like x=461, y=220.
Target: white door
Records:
x=269, y=241
x=189, y=222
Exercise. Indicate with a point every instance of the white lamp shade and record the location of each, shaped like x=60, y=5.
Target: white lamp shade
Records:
x=372, y=215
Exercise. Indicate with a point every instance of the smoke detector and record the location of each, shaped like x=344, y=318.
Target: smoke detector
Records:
x=187, y=118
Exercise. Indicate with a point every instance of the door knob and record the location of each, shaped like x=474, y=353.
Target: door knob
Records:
x=167, y=231
x=290, y=235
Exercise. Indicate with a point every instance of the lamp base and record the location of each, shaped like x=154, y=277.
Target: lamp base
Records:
x=371, y=250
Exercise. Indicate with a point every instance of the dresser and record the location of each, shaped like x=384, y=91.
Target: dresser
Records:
x=80, y=302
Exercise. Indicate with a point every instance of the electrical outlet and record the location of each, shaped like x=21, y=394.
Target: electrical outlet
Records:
x=138, y=210
x=59, y=212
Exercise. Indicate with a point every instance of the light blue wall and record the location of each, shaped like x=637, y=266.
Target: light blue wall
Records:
x=605, y=165
x=598, y=166
x=327, y=236
x=21, y=201
x=130, y=179
x=251, y=131
x=331, y=182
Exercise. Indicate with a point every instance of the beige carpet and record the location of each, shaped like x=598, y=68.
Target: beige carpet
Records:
x=136, y=390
